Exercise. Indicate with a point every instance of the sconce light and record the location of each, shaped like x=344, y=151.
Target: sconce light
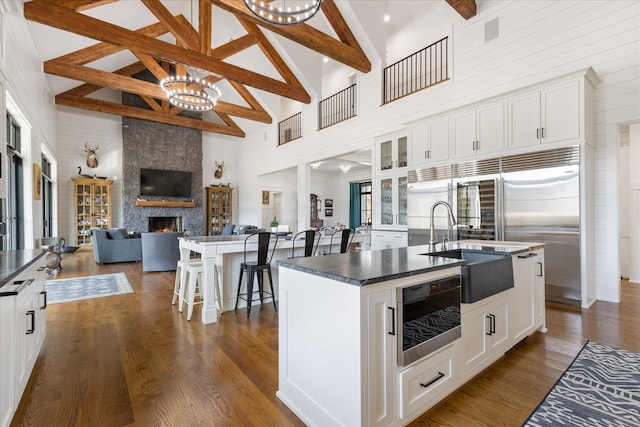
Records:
x=345, y=168
x=315, y=165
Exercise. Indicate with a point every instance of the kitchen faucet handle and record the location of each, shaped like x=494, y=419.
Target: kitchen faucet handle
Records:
x=444, y=242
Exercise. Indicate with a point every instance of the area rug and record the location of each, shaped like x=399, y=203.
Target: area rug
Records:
x=81, y=288
x=601, y=387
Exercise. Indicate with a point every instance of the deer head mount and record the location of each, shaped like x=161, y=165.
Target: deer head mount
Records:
x=218, y=172
x=92, y=158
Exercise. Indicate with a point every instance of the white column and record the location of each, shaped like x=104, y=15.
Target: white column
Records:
x=634, y=202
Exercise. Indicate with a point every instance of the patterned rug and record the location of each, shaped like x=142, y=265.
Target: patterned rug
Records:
x=80, y=288
x=600, y=388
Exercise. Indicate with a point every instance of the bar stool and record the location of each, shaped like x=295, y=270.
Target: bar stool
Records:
x=267, y=243
x=181, y=282
x=311, y=240
x=346, y=236
x=194, y=285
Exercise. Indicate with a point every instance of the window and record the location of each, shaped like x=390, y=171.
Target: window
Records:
x=365, y=203
x=47, y=198
x=15, y=186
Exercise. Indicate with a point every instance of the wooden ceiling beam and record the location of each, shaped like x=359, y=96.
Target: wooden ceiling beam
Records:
x=140, y=113
x=59, y=17
x=101, y=50
x=305, y=35
x=234, y=46
x=204, y=26
x=182, y=34
x=81, y=5
x=466, y=8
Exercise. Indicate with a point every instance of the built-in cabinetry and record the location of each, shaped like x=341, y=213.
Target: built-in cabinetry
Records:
x=390, y=183
x=547, y=115
x=479, y=130
x=3, y=123
x=23, y=304
x=528, y=273
x=92, y=200
x=381, y=239
x=558, y=111
x=218, y=208
x=429, y=141
x=485, y=332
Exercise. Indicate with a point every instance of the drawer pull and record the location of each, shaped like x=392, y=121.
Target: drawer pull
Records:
x=33, y=322
x=393, y=321
x=435, y=380
x=44, y=294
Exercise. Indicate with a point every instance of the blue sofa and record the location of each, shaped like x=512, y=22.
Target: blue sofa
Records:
x=160, y=251
x=114, y=245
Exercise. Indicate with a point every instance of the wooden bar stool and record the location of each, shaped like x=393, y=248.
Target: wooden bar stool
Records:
x=180, y=283
x=194, y=287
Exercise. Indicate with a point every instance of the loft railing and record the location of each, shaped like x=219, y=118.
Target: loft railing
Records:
x=290, y=129
x=337, y=108
x=418, y=71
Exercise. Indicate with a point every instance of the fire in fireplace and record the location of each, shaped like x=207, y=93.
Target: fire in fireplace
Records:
x=165, y=223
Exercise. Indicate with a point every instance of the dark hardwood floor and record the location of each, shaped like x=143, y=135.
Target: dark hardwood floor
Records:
x=134, y=360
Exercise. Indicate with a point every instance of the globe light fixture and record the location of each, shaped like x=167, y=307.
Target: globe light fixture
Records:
x=284, y=12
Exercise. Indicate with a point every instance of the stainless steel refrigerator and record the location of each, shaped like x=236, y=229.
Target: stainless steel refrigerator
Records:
x=532, y=197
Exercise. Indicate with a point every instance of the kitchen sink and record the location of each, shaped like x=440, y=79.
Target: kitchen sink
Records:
x=485, y=274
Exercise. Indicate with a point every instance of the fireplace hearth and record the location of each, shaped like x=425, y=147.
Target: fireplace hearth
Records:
x=165, y=223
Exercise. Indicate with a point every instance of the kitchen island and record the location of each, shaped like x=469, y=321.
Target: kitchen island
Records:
x=339, y=335
x=222, y=255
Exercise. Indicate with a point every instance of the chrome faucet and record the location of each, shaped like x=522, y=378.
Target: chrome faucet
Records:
x=452, y=221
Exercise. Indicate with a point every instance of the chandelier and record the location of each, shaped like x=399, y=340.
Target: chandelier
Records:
x=284, y=12
x=190, y=94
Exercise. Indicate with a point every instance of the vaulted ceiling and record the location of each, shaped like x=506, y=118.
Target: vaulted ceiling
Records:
x=172, y=43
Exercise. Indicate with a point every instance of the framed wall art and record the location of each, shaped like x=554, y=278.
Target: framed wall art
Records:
x=265, y=197
x=328, y=203
x=328, y=212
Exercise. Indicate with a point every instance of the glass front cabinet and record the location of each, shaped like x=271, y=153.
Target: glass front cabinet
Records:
x=219, y=204
x=390, y=178
x=92, y=200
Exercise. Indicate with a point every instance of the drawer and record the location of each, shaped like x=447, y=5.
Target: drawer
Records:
x=428, y=381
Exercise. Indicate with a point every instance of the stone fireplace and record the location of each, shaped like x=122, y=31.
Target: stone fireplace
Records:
x=153, y=145
x=165, y=223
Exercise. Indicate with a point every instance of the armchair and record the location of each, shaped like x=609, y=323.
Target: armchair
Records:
x=114, y=245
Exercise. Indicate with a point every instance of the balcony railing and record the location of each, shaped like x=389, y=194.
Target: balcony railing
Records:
x=290, y=129
x=424, y=68
x=337, y=108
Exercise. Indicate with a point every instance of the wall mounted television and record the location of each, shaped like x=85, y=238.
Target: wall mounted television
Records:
x=165, y=183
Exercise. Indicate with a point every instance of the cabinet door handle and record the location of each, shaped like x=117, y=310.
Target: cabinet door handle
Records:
x=393, y=320
x=540, y=270
x=436, y=379
x=44, y=294
x=537, y=133
x=33, y=321
x=529, y=255
x=492, y=324
x=542, y=132
x=427, y=154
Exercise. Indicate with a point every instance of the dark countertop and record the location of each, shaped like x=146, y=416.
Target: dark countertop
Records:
x=13, y=263
x=368, y=267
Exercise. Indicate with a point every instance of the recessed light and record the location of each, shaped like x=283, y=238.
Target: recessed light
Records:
x=325, y=59
x=386, y=18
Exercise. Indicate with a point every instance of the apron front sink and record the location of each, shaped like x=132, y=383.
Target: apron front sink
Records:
x=483, y=275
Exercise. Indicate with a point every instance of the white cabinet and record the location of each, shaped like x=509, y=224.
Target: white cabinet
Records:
x=429, y=142
x=527, y=303
x=425, y=383
x=391, y=152
x=381, y=348
x=23, y=315
x=388, y=239
x=478, y=131
x=389, y=190
x=548, y=115
x=485, y=332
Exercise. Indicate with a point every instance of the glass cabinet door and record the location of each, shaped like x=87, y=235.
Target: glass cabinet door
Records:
x=386, y=155
x=386, y=201
x=401, y=154
x=402, y=200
